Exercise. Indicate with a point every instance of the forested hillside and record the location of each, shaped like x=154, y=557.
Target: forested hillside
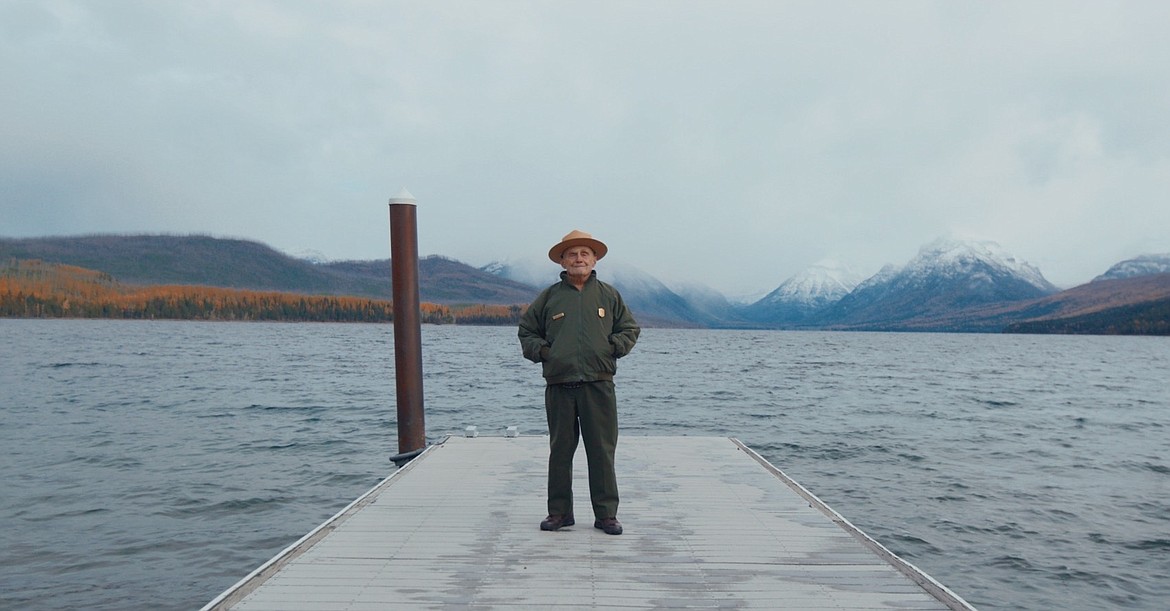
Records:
x=35, y=289
x=1150, y=318
x=242, y=264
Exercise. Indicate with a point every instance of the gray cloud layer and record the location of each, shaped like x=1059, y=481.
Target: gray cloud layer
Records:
x=730, y=144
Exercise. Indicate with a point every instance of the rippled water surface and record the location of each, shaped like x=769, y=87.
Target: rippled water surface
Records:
x=150, y=465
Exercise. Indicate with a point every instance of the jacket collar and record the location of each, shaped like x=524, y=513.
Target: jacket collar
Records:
x=565, y=277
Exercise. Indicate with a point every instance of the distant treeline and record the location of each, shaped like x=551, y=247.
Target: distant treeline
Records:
x=35, y=289
x=1150, y=318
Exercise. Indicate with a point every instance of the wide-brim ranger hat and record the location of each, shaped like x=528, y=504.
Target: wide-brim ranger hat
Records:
x=577, y=237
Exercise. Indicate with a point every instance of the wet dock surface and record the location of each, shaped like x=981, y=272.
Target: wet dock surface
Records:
x=708, y=524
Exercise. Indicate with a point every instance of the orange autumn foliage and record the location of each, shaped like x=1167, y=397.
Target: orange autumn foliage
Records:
x=35, y=289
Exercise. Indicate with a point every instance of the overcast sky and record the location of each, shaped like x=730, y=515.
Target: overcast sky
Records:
x=730, y=144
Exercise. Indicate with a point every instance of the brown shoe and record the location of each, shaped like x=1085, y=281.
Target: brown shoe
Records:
x=611, y=526
x=556, y=521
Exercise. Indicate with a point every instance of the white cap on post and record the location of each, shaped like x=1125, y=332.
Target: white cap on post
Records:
x=403, y=197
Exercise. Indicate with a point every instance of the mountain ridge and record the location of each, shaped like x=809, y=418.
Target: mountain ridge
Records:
x=804, y=295
x=945, y=276
x=949, y=286
x=1143, y=265
x=244, y=264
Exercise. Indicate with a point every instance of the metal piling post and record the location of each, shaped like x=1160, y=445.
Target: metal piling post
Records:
x=412, y=438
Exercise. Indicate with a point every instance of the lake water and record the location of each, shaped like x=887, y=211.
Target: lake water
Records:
x=150, y=465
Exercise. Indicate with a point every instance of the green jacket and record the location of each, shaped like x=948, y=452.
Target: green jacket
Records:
x=578, y=335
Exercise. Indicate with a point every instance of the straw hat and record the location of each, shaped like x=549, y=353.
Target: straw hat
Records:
x=577, y=237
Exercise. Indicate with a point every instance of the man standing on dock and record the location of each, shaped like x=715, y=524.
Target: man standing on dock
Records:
x=577, y=329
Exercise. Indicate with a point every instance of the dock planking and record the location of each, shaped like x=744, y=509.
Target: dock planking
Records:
x=708, y=524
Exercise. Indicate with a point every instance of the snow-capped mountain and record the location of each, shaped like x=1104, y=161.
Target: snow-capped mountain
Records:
x=817, y=286
x=946, y=275
x=1145, y=265
x=883, y=276
x=980, y=261
x=803, y=295
x=532, y=272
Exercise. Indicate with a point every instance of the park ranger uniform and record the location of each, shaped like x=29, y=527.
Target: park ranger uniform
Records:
x=577, y=336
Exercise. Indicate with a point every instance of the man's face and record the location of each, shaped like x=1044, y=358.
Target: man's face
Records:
x=578, y=261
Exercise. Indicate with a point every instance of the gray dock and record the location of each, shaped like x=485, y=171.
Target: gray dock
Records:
x=708, y=524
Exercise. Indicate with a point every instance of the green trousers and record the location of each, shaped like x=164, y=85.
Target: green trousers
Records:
x=587, y=412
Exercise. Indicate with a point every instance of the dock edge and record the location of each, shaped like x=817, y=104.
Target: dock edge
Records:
x=253, y=580
x=942, y=593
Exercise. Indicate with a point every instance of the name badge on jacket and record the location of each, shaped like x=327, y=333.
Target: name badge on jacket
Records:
x=601, y=312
